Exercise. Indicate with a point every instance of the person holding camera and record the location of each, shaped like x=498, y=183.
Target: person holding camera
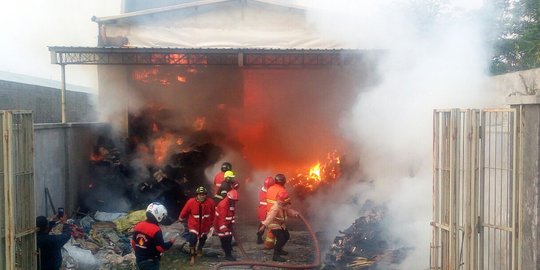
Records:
x=49, y=245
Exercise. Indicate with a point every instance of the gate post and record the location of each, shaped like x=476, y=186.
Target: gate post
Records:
x=528, y=178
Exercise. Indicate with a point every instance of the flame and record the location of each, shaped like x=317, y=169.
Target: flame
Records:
x=179, y=141
x=99, y=155
x=315, y=172
x=309, y=179
x=96, y=157
x=181, y=78
x=144, y=75
x=161, y=147
x=199, y=123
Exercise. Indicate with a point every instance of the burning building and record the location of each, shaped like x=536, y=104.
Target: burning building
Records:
x=252, y=78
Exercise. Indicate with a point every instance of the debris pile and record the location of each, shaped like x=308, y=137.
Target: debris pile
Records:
x=102, y=240
x=129, y=177
x=366, y=244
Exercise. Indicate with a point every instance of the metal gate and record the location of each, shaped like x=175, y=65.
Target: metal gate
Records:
x=17, y=223
x=475, y=198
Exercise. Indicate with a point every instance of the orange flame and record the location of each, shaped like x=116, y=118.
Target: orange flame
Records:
x=199, y=123
x=181, y=78
x=315, y=172
x=161, y=148
x=96, y=157
x=322, y=172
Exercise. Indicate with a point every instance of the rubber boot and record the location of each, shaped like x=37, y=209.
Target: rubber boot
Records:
x=230, y=257
x=283, y=252
x=192, y=255
x=277, y=258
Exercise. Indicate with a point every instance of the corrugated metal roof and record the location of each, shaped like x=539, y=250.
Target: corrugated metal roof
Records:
x=73, y=49
x=30, y=80
x=184, y=6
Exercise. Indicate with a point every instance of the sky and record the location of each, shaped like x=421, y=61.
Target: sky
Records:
x=68, y=23
x=29, y=26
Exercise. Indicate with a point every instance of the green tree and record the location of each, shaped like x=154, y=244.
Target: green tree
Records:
x=518, y=45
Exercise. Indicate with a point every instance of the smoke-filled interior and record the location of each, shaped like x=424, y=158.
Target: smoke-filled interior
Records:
x=183, y=121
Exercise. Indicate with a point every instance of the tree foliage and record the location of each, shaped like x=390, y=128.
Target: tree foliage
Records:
x=518, y=45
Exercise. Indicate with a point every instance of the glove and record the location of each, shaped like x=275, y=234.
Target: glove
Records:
x=261, y=229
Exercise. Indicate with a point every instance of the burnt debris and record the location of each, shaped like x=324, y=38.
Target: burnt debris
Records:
x=131, y=176
x=366, y=244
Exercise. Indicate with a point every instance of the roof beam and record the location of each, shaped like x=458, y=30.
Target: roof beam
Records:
x=184, y=56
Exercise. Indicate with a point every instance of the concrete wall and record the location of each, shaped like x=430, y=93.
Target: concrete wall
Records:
x=519, y=83
x=61, y=162
x=44, y=102
x=528, y=157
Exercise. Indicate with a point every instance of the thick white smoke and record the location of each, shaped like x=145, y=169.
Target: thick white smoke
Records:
x=28, y=27
x=435, y=57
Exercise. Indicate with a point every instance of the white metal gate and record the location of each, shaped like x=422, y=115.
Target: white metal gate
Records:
x=17, y=222
x=475, y=197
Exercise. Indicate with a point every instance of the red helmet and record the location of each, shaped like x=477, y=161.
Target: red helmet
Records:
x=269, y=181
x=232, y=195
x=283, y=197
x=280, y=179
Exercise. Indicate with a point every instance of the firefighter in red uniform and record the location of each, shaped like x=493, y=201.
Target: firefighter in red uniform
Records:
x=262, y=210
x=200, y=213
x=276, y=221
x=147, y=240
x=271, y=198
x=224, y=222
x=220, y=176
x=226, y=186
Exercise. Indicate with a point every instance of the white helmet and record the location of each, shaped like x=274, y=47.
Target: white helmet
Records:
x=157, y=210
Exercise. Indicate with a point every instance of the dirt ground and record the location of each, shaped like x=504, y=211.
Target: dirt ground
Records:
x=300, y=248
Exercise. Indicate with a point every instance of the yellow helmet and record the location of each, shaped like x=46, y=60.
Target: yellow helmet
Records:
x=229, y=174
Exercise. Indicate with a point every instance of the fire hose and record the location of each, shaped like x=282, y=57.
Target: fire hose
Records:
x=315, y=264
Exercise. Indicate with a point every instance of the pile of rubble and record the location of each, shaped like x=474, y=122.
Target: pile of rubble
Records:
x=366, y=244
x=102, y=241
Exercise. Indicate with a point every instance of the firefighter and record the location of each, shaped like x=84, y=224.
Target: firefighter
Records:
x=220, y=176
x=224, y=222
x=147, y=240
x=199, y=212
x=228, y=184
x=276, y=221
x=271, y=197
x=262, y=210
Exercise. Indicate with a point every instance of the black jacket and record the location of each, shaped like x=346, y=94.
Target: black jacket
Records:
x=50, y=248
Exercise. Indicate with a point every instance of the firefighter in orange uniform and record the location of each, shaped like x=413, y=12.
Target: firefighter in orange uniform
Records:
x=220, y=176
x=225, y=219
x=262, y=210
x=271, y=198
x=276, y=221
x=200, y=214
